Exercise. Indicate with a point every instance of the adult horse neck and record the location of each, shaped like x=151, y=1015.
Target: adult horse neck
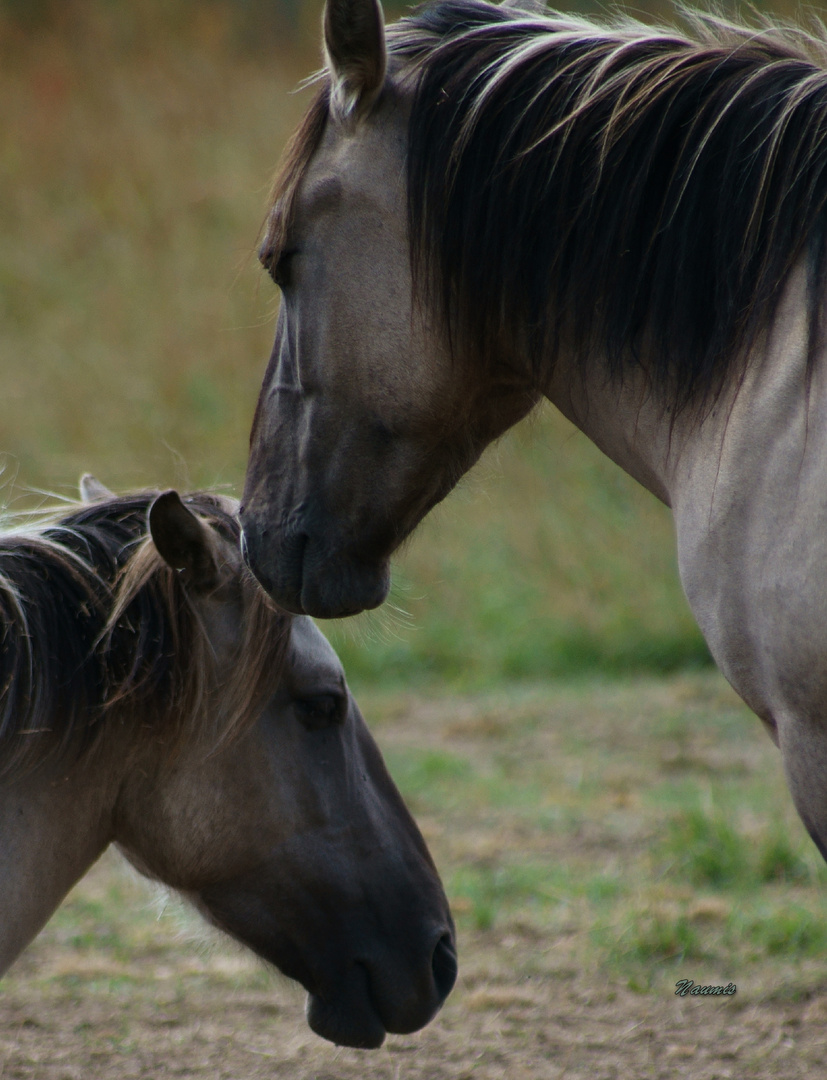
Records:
x=486, y=206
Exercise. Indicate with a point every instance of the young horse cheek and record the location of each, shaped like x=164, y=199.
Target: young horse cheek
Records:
x=211, y=821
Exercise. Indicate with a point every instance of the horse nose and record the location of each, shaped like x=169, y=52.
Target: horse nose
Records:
x=444, y=966
x=407, y=1005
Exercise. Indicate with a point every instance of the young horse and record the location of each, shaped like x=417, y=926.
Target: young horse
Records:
x=153, y=698
x=500, y=205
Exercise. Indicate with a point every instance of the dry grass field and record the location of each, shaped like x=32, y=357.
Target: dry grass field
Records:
x=559, y=821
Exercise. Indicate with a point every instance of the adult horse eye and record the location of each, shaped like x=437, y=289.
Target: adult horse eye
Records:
x=321, y=710
x=280, y=271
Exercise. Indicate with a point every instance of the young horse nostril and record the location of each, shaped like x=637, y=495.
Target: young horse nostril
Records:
x=444, y=966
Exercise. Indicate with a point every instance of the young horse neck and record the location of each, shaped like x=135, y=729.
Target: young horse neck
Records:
x=214, y=740
x=85, y=661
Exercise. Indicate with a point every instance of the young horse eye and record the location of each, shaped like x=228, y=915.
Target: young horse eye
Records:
x=321, y=710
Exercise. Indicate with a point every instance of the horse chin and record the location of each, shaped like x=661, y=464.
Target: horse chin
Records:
x=349, y=1021
x=304, y=580
x=336, y=589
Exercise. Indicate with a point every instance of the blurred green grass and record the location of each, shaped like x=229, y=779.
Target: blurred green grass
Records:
x=136, y=151
x=568, y=831
x=646, y=824
x=559, y=817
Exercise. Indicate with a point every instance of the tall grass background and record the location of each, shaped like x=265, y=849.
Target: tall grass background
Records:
x=137, y=145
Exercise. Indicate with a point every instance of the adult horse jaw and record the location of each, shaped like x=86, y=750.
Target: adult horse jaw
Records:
x=320, y=523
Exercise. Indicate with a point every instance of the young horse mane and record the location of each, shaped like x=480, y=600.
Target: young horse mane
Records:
x=611, y=191
x=91, y=617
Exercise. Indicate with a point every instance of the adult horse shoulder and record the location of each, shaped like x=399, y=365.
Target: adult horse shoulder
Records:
x=152, y=697
x=485, y=206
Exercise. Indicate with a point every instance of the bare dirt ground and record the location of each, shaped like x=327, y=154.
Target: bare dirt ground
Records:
x=556, y=1024
x=117, y=987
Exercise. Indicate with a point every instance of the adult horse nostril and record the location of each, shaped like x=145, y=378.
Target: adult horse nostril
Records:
x=444, y=966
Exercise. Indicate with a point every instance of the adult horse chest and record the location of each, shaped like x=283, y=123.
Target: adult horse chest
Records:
x=487, y=206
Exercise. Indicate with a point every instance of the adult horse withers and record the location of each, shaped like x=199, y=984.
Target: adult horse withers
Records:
x=152, y=697
x=491, y=206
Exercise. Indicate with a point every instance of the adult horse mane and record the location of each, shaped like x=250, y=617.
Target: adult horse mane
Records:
x=93, y=617
x=617, y=192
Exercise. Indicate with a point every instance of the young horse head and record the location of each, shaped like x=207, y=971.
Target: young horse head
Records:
x=487, y=206
x=153, y=698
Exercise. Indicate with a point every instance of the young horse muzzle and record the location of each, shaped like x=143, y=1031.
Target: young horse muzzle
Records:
x=153, y=698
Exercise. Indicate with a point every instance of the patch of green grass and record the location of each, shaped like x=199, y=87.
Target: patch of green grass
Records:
x=96, y=923
x=707, y=849
x=482, y=614
x=440, y=777
x=658, y=939
x=778, y=860
x=488, y=892
x=788, y=931
x=433, y=775
x=603, y=888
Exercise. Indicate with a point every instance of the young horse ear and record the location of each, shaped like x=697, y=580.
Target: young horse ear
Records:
x=354, y=40
x=92, y=490
x=183, y=541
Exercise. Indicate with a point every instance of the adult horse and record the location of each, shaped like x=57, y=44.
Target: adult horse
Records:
x=492, y=206
x=153, y=698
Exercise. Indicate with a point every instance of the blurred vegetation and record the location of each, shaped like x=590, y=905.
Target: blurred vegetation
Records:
x=137, y=144
x=649, y=819
x=643, y=827
x=246, y=23
x=575, y=829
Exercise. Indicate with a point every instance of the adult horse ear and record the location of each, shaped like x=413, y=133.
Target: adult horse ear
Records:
x=354, y=41
x=183, y=541
x=92, y=490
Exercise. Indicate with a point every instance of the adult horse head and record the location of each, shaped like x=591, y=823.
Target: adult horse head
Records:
x=366, y=419
x=153, y=698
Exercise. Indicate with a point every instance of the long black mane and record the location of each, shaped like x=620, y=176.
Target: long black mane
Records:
x=91, y=617
x=634, y=195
